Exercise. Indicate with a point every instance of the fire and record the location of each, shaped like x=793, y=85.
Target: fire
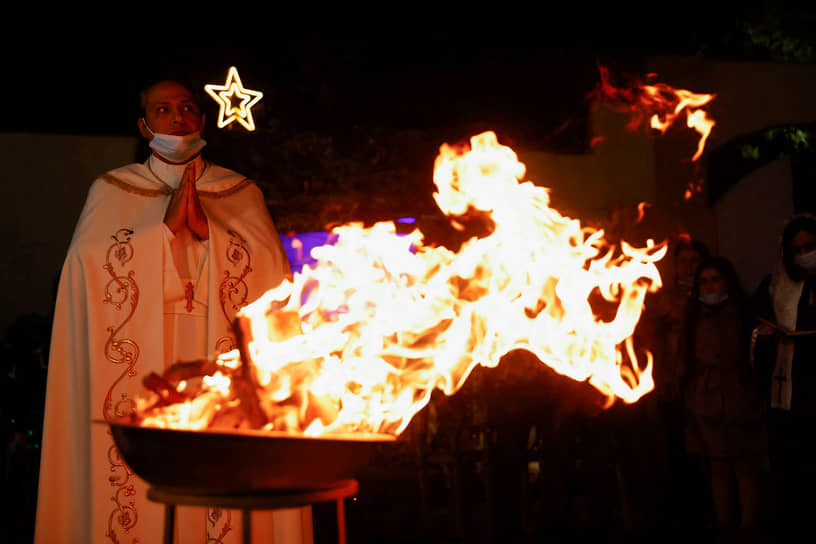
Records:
x=662, y=97
x=663, y=105
x=358, y=342
x=642, y=211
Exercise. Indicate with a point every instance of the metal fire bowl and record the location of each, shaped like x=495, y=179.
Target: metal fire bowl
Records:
x=241, y=461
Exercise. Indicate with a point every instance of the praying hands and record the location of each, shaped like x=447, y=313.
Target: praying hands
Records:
x=185, y=209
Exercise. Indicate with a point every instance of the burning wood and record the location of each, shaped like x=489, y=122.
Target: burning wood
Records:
x=191, y=392
x=224, y=394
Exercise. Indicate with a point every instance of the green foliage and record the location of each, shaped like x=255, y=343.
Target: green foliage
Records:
x=779, y=45
x=780, y=33
x=750, y=152
x=779, y=141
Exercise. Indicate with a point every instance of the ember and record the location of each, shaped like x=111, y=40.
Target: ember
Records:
x=359, y=341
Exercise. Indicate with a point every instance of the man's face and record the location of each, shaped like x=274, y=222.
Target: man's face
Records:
x=686, y=263
x=170, y=109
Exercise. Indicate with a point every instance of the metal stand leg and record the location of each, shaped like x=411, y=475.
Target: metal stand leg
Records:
x=271, y=499
x=341, y=522
x=246, y=526
x=169, y=522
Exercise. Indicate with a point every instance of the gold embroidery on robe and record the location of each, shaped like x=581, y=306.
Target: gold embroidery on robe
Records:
x=121, y=291
x=232, y=295
x=233, y=290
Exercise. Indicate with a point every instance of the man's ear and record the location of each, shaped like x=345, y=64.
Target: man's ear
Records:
x=143, y=129
x=203, y=124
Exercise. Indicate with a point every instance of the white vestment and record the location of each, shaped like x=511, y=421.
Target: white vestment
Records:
x=134, y=298
x=785, y=294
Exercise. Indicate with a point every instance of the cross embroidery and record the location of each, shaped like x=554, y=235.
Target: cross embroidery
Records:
x=780, y=378
x=188, y=294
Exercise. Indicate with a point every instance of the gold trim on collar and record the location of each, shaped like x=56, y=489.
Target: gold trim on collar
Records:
x=227, y=192
x=116, y=182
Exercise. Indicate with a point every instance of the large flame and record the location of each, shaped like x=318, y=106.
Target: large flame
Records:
x=358, y=342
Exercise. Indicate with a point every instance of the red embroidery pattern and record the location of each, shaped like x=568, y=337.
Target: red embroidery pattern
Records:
x=188, y=295
x=216, y=518
x=233, y=291
x=225, y=344
x=120, y=290
x=125, y=514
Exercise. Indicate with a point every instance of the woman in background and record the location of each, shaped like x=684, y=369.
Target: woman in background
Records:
x=725, y=415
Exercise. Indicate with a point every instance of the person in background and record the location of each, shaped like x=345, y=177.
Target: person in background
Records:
x=671, y=305
x=682, y=472
x=785, y=355
x=725, y=416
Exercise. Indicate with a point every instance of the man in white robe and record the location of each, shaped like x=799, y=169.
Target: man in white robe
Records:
x=163, y=255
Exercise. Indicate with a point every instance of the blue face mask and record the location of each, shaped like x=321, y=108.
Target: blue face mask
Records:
x=176, y=148
x=806, y=261
x=711, y=299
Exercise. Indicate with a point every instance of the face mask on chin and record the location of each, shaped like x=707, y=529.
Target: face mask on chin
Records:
x=685, y=284
x=176, y=148
x=807, y=261
x=711, y=299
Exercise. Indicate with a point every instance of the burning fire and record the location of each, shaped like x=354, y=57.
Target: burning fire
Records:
x=358, y=342
x=664, y=105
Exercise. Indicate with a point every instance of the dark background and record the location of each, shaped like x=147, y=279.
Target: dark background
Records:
x=342, y=87
x=407, y=70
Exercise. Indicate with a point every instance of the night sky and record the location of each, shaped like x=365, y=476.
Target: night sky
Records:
x=313, y=80
x=399, y=72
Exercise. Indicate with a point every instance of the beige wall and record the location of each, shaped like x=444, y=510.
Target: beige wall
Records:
x=619, y=172
x=46, y=180
x=750, y=219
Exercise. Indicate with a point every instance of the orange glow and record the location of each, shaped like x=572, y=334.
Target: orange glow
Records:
x=642, y=211
x=298, y=246
x=233, y=89
x=693, y=188
x=359, y=341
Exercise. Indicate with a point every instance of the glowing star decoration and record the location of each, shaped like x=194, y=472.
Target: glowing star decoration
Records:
x=234, y=100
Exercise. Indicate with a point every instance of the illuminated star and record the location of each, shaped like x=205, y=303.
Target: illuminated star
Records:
x=233, y=90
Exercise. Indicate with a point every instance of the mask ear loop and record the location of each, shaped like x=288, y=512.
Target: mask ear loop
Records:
x=148, y=127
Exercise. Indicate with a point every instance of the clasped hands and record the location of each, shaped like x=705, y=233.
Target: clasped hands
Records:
x=185, y=209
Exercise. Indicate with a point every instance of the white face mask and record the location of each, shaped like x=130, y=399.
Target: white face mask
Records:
x=685, y=284
x=711, y=299
x=806, y=261
x=176, y=148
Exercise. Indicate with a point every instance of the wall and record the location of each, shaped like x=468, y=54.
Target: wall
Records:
x=751, y=96
x=46, y=180
x=750, y=219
